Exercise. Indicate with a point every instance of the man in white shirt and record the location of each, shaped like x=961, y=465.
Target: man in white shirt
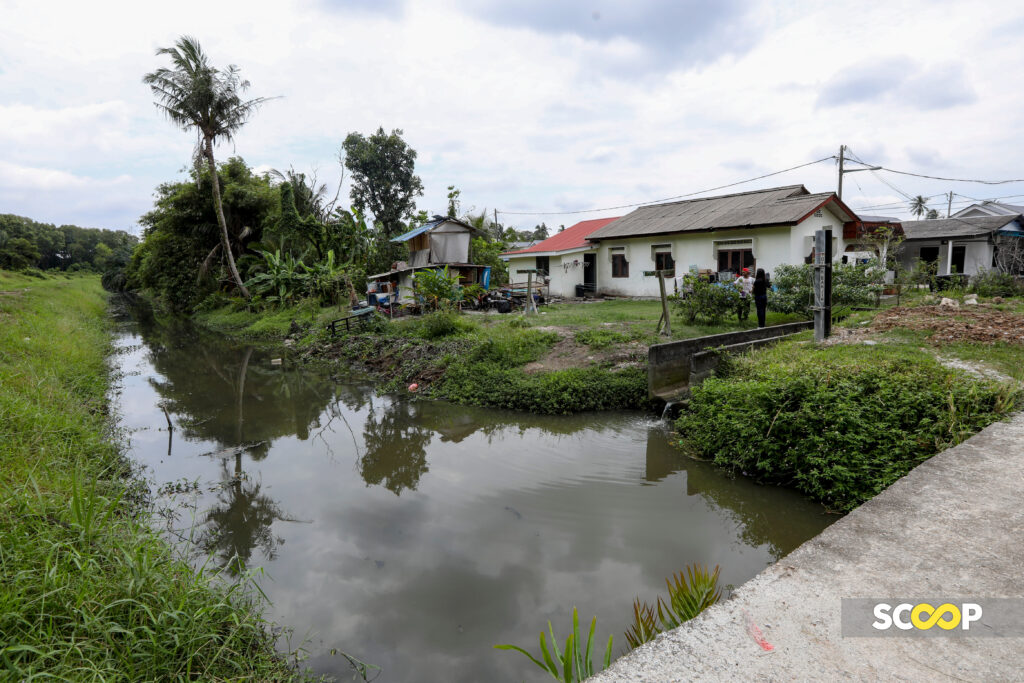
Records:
x=745, y=284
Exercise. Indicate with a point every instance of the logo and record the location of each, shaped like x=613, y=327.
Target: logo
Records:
x=932, y=617
x=924, y=616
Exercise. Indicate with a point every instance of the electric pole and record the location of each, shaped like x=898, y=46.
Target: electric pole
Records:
x=949, y=205
x=843, y=170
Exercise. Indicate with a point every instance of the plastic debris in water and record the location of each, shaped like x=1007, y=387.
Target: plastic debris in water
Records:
x=414, y=387
x=756, y=634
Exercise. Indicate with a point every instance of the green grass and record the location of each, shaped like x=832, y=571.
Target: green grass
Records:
x=88, y=591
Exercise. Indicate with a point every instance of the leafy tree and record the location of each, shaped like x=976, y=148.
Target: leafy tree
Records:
x=453, y=201
x=919, y=206
x=18, y=253
x=383, y=178
x=932, y=214
x=181, y=235
x=197, y=96
x=540, y=232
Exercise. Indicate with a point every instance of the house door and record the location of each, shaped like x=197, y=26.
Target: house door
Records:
x=733, y=260
x=956, y=264
x=590, y=272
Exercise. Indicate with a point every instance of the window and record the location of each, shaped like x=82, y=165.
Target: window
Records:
x=733, y=260
x=929, y=254
x=663, y=261
x=620, y=266
x=544, y=263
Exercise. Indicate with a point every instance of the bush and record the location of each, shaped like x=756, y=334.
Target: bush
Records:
x=995, y=283
x=852, y=285
x=442, y=324
x=601, y=339
x=839, y=423
x=705, y=301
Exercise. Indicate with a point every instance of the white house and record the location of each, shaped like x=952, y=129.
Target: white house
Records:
x=759, y=229
x=988, y=208
x=567, y=257
x=963, y=245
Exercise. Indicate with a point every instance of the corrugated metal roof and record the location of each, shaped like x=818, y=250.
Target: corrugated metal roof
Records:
x=775, y=206
x=572, y=237
x=405, y=237
x=944, y=228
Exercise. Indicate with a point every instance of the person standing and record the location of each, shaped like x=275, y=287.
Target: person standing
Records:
x=760, y=290
x=745, y=283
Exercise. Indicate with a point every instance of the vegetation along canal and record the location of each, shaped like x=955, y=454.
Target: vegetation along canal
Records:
x=416, y=535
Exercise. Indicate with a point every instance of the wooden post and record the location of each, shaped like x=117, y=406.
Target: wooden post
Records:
x=665, y=318
x=530, y=304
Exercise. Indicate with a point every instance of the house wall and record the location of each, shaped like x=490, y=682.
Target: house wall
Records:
x=977, y=257
x=772, y=247
x=566, y=271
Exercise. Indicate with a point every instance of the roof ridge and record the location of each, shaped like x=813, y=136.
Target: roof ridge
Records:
x=726, y=196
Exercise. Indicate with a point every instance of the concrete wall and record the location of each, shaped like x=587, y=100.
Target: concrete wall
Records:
x=566, y=271
x=771, y=246
x=671, y=367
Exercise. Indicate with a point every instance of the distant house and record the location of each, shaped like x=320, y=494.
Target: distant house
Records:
x=961, y=244
x=438, y=243
x=988, y=208
x=759, y=229
x=862, y=240
x=567, y=257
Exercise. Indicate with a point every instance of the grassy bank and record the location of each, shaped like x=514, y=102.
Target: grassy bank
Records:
x=88, y=590
x=844, y=421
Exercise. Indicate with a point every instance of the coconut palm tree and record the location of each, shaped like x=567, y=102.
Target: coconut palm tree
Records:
x=197, y=96
x=919, y=206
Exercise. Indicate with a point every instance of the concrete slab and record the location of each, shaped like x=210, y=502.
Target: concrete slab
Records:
x=952, y=527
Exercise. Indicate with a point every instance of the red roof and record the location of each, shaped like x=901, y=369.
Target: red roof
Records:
x=571, y=238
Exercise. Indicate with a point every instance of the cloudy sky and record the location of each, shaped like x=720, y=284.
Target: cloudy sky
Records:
x=526, y=106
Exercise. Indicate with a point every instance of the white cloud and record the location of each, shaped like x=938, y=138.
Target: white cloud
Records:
x=525, y=112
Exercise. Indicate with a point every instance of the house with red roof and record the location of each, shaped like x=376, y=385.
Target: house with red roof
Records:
x=569, y=260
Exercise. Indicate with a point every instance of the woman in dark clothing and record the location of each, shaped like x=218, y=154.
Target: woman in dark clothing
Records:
x=760, y=295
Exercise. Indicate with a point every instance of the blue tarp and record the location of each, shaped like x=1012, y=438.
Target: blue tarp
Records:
x=487, y=278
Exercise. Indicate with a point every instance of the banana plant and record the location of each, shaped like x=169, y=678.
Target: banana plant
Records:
x=281, y=278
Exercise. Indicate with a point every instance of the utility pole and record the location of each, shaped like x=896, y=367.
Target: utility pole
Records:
x=496, y=222
x=843, y=170
x=949, y=205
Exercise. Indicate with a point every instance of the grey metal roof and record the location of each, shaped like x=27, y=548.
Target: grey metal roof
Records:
x=944, y=228
x=774, y=206
x=989, y=208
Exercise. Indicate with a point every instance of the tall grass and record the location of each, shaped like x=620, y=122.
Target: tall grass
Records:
x=87, y=590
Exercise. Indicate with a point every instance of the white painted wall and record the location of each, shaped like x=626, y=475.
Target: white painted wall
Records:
x=566, y=271
x=977, y=257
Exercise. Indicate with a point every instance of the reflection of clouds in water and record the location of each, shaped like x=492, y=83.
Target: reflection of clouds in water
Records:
x=503, y=520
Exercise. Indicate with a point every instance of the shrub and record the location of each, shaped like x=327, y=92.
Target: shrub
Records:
x=438, y=289
x=442, y=324
x=995, y=283
x=601, y=339
x=705, y=301
x=839, y=423
x=852, y=285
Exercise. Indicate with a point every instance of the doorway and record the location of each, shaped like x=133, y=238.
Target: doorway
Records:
x=590, y=273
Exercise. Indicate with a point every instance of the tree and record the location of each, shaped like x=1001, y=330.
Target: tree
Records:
x=383, y=178
x=919, y=206
x=540, y=232
x=196, y=95
x=453, y=201
x=932, y=214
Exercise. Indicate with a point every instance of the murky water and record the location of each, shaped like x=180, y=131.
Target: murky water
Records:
x=416, y=535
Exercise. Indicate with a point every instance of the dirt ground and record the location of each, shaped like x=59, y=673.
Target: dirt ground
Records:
x=977, y=323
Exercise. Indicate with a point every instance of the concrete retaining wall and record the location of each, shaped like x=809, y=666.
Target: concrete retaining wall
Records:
x=674, y=366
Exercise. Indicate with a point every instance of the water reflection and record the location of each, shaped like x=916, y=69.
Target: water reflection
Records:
x=416, y=534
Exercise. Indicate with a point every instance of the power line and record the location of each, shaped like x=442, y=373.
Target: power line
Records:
x=667, y=199
x=955, y=180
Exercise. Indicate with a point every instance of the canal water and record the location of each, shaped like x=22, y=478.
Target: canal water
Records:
x=415, y=535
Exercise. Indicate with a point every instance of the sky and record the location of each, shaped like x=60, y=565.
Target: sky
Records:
x=534, y=108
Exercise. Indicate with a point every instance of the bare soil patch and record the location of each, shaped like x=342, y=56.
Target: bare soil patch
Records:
x=567, y=353
x=979, y=323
